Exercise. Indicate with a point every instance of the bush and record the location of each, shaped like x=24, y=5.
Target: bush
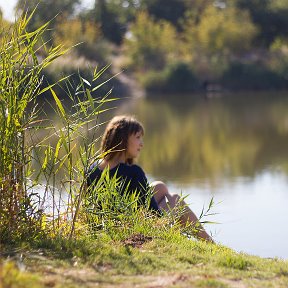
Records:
x=242, y=76
x=180, y=78
x=85, y=33
x=177, y=77
x=98, y=51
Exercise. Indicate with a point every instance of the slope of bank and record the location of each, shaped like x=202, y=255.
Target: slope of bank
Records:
x=138, y=261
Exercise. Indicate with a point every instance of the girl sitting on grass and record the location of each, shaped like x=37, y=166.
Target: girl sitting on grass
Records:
x=121, y=144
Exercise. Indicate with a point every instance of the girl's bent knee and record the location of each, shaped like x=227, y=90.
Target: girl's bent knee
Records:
x=160, y=190
x=157, y=183
x=159, y=187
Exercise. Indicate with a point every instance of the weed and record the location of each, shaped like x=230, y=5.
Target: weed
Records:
x=236, y=262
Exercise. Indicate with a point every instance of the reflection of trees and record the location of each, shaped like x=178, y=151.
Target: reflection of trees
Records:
x=193, y=139
x=210, y=139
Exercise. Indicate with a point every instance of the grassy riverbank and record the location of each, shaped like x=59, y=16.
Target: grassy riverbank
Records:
x=169, y=260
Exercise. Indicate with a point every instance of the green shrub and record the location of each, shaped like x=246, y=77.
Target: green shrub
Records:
x=180, y=78
x=98, y=51
x=176, y=78
x=240, y=76
x=153, y=81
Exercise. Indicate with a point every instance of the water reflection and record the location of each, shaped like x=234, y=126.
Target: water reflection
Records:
x=190, y=139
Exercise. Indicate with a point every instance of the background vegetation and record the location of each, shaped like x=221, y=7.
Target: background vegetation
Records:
x=235, y=44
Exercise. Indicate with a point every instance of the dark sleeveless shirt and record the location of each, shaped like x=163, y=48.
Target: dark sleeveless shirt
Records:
x=132, y=175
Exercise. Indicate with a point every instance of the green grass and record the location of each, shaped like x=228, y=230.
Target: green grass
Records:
x=115, y=257
x=11, y=276
x=171, y=257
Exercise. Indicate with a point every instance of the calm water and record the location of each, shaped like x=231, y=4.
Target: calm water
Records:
x=234, y=149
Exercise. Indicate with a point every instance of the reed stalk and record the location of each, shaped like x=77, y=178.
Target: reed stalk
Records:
x=31, y=164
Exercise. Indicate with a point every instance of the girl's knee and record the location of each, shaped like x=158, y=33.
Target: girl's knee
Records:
x=159, y=186
x=159, y=189
x=175, y=197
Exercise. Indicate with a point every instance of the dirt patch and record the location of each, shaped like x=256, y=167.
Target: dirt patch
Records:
x=137, y=240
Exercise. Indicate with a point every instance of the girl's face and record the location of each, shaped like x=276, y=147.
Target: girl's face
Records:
x=134, y=145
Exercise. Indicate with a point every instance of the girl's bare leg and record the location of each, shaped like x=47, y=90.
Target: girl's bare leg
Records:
x=167, y=202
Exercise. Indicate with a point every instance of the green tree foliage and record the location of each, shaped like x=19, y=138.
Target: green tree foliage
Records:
x=270, y=16
x=46, y=11
x=109, y=19
x=116, y=15
x=124, y=10
x=221, y=31
x=87, y=37
x=152, y=44
x=74, y=31
x=171, y=11
x=219, y=34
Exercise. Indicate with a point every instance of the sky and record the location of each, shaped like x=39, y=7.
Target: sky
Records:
x=7, y=7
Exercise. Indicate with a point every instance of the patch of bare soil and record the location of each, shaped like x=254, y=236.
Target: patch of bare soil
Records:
x=137, y=240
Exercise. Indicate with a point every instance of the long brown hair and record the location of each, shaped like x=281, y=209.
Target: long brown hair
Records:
x=117, y=132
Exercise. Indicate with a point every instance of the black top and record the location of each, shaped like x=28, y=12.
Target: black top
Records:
x=132, y=175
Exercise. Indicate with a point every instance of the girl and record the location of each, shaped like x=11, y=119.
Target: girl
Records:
x=121, y=144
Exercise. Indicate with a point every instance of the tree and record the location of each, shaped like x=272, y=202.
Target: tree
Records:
x=171, y=11
x=114, y=17
x=219, y=34
x=152, y=43
x=74, y=31
x=108, y=18
x=46, y=11
x=270, y=16
x=220, y=31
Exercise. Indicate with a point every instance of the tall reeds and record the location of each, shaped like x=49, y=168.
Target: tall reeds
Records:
x=20, y=85
x=29, y=163
x=44, y=160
